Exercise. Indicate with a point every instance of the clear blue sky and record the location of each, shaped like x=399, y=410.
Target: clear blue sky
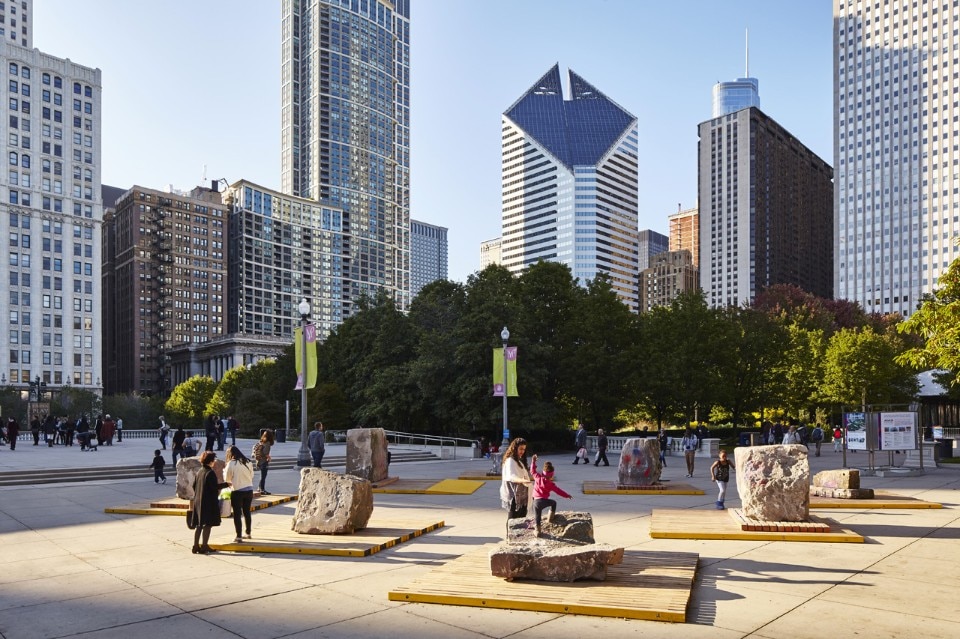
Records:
x=188, y=83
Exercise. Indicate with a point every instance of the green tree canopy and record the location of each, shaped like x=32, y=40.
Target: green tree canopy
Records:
x=188, y=401
x=937, y=324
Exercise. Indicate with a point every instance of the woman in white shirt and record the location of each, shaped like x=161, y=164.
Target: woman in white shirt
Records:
x=792, y=436
x=515, y=487
x=239, y=474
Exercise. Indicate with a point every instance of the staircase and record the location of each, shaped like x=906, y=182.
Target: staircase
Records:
x=140, y=471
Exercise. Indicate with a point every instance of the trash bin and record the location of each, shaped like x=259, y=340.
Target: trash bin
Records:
x=744, y=439
x=281, y=434
x=946, y=448
x=477, y=453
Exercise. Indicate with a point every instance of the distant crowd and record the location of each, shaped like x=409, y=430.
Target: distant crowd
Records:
x=64, y=431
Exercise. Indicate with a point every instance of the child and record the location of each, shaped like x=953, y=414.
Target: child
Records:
x=720, y=471
x=542, y=487
x=157, y=466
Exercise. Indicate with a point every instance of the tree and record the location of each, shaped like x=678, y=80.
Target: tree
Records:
x=188, y=401
x=937, y=323
x=228, y=391
x=860, y=369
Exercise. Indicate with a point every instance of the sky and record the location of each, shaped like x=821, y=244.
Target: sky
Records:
x=191, y=88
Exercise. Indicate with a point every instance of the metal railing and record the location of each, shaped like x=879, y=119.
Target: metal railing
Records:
x=447, y=446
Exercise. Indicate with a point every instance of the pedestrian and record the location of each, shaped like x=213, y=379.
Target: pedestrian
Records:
x=98, y=430
x=316, y=445
x=119, y=430
x=35, y=430
x=543, y=485
x=515, y=484
x=233, y=426
x=601, y=448
x=817, y=438
x=238, y=473
x=792, y=437
x=702, y=433
x=50, y=430
x=108, y=429
x=664, y=442
x=177, y=444
x=206, y=503
x=720, y=471
x=580, y=442
x=210, y=428
x=157, y=465
x=689, y=445
x=261, y=455
x=71, y=427
x=221, y=432
x=777, y=433
x=83, y=434
x=13, y=431
x=164, y=429
x=837, y=439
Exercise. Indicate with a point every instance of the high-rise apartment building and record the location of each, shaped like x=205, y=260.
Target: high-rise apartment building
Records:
x=16, y=26
x=685, y=232
x=649, y=245
x=897, y=198
x=670, y=274
x=766, y=209
x=570, y=182
x=50, y=213
x=489, y=252
x=428, y=255
x=165, y=268
x=345, y=135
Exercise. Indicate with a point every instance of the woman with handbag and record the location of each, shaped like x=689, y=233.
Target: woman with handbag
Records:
x=206, y=503
x=239, y=474
x=516, y=481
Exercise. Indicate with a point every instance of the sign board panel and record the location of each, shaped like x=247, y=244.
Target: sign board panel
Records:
x=855, y=426
x=898, y=431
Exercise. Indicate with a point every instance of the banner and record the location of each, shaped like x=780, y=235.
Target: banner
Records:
x=311, y=356
x=511, y=372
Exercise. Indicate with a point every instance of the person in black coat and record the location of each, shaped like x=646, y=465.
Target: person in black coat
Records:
x=206, y=503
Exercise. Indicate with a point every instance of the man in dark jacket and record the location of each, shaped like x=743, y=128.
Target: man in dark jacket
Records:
x=601, y=448
x=580, y=442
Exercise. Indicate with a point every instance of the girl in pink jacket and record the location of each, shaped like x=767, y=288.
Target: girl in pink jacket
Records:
x=542, y=487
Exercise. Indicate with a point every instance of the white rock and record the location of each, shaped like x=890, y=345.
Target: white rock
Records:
x=330, y=503
x=639, y=462
x=367, y=453
x=774, y=482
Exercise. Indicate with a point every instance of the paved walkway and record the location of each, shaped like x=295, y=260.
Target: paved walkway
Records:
x=70, y=570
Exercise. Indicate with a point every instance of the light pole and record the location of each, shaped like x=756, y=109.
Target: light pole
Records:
x=505, y=335
x=303, y=457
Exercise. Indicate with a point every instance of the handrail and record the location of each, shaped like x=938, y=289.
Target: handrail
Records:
x=448, y=445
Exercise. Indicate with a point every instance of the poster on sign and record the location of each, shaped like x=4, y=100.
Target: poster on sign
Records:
x=898, y=431
x=855, y=424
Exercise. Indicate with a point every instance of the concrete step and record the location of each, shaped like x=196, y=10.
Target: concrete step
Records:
x=63, y=475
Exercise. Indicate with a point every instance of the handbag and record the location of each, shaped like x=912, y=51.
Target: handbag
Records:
x=582, y=453
x=225, y=510
x=191, y=522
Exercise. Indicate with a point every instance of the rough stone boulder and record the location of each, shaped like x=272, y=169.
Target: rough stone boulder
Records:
x=639, y=463
x=566, y=551
x=187, y=469
x=367, y=453
x=774, y=482
x=331, y=504
x=844, y=478
x=841, y=493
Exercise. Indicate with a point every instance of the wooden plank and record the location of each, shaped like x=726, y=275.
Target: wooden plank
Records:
x=610, y=488
x=178, y=507
x=480, y=475
x=407, y=487
x=647, y=585
x=814, y=524
x=716, y=524
x=881, y=500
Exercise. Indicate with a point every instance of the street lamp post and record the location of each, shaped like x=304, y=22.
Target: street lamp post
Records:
x=505, y=335
x=303, y=456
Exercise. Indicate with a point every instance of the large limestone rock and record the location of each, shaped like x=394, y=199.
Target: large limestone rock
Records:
x=331, y=504
x=774, y=482
x=565, y=552
x=367, y=453
x=187, y=469
x=639, y=463
x=843, y=478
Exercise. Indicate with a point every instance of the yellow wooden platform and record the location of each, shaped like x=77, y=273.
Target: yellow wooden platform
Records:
x=647, y=585
x=610, y=488
x=880, y=500
x=718, y=524
x=480, y=475
x=178, y=507
x=813, y=524
x=431, y=487
x=276, y=537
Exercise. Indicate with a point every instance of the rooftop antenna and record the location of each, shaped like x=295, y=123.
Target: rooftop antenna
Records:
x=747, y=54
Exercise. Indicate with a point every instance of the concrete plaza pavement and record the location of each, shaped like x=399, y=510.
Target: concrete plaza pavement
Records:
x=71, y=570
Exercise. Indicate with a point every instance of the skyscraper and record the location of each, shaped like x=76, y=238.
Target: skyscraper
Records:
x=670, y=274
x=897, y=198
x=765, y=209
x=649, y=245
x=741, y=93
x=428, y=255
x=685, y=232
x=489, y=252
x=345, y=132
x=570, y=182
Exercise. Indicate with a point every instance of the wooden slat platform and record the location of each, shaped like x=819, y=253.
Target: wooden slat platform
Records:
x=432, y=487
x=277, y=538
x=880, y=500
x=480, y=475
x=178, y=507
x=610, y=488
x=813, y=525
x=386, y=481
x=647, y=585
x=717, y=524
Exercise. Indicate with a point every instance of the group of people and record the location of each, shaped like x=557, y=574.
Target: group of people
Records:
x=64, y=430
x=204, y=511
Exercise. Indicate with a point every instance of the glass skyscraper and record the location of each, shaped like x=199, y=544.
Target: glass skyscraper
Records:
x=570, y=182
x=345, y=132
x=741, y=93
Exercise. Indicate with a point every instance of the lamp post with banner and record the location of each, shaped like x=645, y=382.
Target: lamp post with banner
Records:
x=303, y=455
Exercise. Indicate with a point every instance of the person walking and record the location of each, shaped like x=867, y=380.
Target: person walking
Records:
x=261, y=455
x=689, y=445
x=233, y=426
x=108, y=429
x=119, y=429
x=601, y=448
x=543, y=485
x=837, y=440
x=663, y=441
x=316, y=444
x=580, y=443
x=210, y=428
x=206, y=503
x=157, y=465
x=720, y=471
x=13, y=431
x=238, y=473
x=35, y=430
x=164, y=429
x=792, y=437
x=50, y=430
x=515, y=480
x=816, y=437
x=176, y=444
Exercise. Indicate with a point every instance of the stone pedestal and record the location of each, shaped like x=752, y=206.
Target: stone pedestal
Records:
x=844, y=478
x=187, y=469
x=367, y=453
x=330, y=503
x=639, y=463
x=773, y=482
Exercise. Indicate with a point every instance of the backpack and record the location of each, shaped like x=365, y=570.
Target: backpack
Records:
x=257, y=452
x=817, y=435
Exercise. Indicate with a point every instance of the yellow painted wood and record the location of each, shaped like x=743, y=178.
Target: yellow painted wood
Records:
x=647, y=585
x=717, y=524
x=431, y=487
x=610, y=488
x=178, y=507
x=480, y=475
x=881, y=500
